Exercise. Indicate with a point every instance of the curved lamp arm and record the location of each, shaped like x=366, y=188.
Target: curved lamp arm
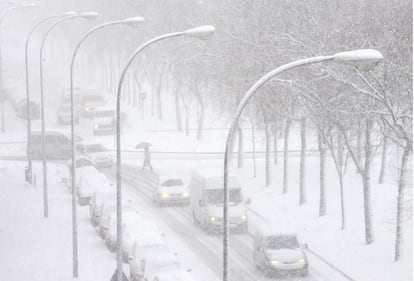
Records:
x=363, y=57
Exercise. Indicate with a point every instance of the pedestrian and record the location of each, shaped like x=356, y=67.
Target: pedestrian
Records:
x=147, y=159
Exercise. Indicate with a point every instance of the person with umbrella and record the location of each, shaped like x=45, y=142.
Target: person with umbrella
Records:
x=147, y=154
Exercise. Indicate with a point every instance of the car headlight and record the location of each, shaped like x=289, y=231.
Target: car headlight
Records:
x=164, y=195
x=96, y=126
x=186, y=194
x=301, y=260
x=93, y=157
x=213, y=218
x=87, y=108
x=244, y=218
x=274, y=262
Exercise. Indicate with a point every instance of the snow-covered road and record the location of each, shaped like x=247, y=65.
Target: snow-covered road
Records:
x=208, y=248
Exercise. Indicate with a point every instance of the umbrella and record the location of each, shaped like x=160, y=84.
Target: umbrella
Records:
x=142, y=145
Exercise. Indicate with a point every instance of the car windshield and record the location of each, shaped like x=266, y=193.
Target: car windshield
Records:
x=95, y=148
x=172, y=182
x=215, y=196
x=281, y=242
x=104, y=113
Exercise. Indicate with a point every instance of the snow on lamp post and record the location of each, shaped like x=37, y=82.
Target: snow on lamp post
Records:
x=364, y=59
x=201, y=32
x=90, y=16
x=26, y=55
x=130, y=22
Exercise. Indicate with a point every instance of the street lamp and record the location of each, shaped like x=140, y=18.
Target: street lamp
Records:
x=7, y=10
x=130, y=22
x=88, y=15
x=364, y=59
x=26, y=55
x=200, y=32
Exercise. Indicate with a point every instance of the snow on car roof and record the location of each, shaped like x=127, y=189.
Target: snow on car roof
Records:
x=89, y=142
x=105, y=108
x=273, y=230
x=213, y=178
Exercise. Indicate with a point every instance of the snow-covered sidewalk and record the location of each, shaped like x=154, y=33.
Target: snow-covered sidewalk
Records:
x=28, y=241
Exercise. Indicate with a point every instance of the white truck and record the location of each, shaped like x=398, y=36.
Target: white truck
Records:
x=206, y=199
x=103, y=119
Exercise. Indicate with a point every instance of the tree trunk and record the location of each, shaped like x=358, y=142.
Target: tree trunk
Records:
x=254, y=151
x=302, y=191
x=369, y=235
x=275, y=132
x=322, y=176
x=285, y=155
x=178, y=117
x=359, y=142
x=267, y=156
x=158, y=98
x=201, y=116
x=383, y=160
x=240, y=155
x=400, y=201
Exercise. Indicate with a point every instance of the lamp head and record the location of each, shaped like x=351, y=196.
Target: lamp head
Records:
x=133, y=21
x=363, y=59
x=201, y=32
x=89, y=15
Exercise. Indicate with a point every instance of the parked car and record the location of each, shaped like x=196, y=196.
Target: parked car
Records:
x=139, y=231
x=97, y=202
x=156, y=263
x=172, y=190
x=88, y=183
x=207, y=201
x=83, y=167
x=279, y=254
x=64, y=115
x=96, y=153
x=57, y=145
x=108, y=218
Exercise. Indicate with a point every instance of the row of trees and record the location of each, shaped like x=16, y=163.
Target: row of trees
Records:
x=352, y=112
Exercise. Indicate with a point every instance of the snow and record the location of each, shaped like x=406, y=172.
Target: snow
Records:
x=40, y=249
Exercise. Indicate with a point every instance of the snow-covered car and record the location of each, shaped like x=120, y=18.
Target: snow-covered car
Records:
x=98, y=201
x=172, y=190
x=96, y=153
x=279, y=254
x=156, y=263
x=64, y=115
x=88, y=183
x=139, y=231
x=110, y=230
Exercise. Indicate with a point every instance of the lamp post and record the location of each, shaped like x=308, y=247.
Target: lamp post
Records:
x=7, y=10
x=128, y=21
x=201, y=32
x=89, y=15
x=26, y=55
x=365, y=58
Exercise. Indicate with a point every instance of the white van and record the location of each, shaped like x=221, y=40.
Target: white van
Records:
x=57, y=145
x=206, y=201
